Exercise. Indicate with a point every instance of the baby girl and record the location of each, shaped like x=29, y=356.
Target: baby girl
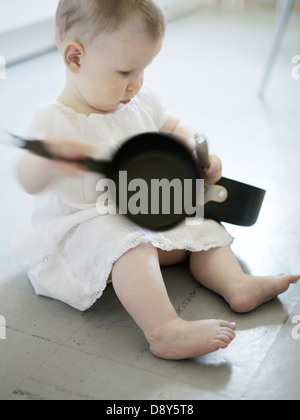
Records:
x=70, y=251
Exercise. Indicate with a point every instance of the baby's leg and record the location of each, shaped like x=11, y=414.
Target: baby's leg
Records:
x=219, y=271
x=139, y=284
x=167, y=258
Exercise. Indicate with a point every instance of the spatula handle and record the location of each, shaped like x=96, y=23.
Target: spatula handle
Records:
x=202, y=150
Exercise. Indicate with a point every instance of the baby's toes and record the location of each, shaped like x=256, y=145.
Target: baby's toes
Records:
x=284, y=281
x=225, y=334
x=228, y=325
x=294, y=279
x=222, y=341
x=289, y=278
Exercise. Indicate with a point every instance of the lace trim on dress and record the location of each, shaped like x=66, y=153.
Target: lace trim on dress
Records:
x=140, y=238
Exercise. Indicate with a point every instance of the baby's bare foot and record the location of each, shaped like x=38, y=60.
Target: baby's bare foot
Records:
x=181, y=339
x=252, y=292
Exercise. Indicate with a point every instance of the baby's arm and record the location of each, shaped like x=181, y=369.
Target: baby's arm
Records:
x=36, y=173
x=180, y=129
x=186, y=133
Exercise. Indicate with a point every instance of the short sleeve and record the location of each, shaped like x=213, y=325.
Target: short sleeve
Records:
x=48, y=123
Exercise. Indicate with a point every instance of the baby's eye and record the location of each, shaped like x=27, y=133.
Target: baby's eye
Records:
x=125, y=73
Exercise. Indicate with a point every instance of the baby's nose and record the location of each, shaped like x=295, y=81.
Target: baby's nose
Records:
x=136, y=83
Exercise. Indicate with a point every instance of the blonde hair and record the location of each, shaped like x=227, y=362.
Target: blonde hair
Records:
x=81, y=20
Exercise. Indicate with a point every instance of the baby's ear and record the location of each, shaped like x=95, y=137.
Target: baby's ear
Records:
x=73, y=54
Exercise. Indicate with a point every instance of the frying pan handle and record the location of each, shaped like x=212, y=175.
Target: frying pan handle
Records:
x=38, y=147
x=202, y=150
x=214, y=193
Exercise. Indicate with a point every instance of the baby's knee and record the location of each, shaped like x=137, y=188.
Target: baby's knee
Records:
x=143, y=248
x=138, y=253
x=136, y=259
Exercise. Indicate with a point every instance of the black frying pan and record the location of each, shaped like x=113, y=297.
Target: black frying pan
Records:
x=158, y=156
x=233, y=202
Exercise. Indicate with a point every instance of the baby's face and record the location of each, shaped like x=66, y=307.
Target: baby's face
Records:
x=112, y=69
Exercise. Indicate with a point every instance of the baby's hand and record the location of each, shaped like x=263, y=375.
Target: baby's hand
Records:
x=68, y=149
x=214, y=171
x=36, y=173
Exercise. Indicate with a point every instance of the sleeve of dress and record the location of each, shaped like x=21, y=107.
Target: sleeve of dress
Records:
x=49, y=124
x=80, y=192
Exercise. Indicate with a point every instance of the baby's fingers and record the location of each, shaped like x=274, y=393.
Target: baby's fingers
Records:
x=65, y=168
x=214, y=171
x=69, y=149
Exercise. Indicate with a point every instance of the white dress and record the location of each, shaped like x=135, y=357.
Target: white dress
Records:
x=66, y=247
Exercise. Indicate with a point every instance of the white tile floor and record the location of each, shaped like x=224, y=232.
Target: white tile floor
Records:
x=208, y=72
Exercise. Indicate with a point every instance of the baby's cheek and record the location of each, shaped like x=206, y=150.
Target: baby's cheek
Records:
x=118, y=90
